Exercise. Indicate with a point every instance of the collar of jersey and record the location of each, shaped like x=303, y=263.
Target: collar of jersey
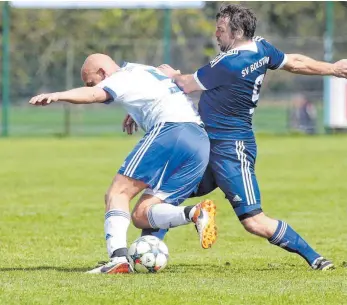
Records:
x=247, y=47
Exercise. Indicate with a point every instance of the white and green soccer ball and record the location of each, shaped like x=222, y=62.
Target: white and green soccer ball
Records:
x=148, y=254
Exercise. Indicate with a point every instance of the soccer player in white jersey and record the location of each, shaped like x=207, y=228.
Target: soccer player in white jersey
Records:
x=231, y=85
x=168, y=162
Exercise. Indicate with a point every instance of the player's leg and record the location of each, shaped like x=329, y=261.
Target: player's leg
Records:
x=182, y=175
x=281, y=234
x=206, y=186
x=236, y=177
x=139, y=171
x=117, y=220
x=161, y=214
x=170, y=216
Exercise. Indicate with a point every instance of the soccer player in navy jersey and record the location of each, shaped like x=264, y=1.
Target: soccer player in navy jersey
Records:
x=231, y=84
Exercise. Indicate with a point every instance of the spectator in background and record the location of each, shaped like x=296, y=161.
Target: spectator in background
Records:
x=302, y=115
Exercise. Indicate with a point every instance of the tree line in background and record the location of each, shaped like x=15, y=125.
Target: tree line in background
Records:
x=44, y=42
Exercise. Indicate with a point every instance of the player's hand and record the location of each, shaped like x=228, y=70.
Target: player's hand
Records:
x=340, y=68
x=129, y=125
x=44, y=99
x=168, y=71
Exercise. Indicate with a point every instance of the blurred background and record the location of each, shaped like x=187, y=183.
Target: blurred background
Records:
x=44, y=48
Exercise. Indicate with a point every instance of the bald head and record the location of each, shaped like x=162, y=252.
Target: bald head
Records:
x=96, y=68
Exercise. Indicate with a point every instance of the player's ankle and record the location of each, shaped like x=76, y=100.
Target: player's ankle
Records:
x=119, y=259
x=121, y=252
x=189, y=212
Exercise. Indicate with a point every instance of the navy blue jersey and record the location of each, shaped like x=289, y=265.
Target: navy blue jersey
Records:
x=232, y=84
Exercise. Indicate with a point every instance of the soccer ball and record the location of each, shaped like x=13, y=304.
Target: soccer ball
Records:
x=148, y=254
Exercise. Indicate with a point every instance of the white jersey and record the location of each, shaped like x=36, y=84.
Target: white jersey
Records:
x=149, y=96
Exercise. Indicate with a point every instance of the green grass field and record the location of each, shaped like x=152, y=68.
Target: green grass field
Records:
x=51, y=229
x=270, y=118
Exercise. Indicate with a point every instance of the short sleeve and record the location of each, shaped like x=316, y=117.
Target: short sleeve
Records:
x=116, y=85
x=277, y=58
x=215, y=74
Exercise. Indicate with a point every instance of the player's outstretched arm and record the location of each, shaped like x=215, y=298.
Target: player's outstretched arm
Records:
x=187, y=82
x=83, y=95
x=300, y=64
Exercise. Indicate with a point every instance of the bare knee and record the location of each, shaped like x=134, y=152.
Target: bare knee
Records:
x=126, y=186
x=250, y=225
x=137, y=217
x=260, y=225
x=121, y=191
x=139, y=214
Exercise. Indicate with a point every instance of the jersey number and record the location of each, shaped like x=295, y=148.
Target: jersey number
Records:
x=173, y=89
x=256, y=88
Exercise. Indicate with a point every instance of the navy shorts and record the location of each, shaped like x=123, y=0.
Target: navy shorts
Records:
x=231, y=168
x=171, y=158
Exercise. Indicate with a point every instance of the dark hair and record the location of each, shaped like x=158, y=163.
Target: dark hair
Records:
x=241, y=18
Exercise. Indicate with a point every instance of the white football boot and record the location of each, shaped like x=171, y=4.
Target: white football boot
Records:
x=205, y=224
x=115, y=265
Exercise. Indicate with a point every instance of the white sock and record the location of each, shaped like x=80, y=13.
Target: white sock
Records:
x=116, y=227
x=165, y=216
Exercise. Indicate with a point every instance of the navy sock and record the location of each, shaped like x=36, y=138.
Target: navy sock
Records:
x=160, y=233
x=286, y=238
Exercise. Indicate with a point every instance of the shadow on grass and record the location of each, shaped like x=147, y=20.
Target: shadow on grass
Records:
x=177, y=268
x=41, y=268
